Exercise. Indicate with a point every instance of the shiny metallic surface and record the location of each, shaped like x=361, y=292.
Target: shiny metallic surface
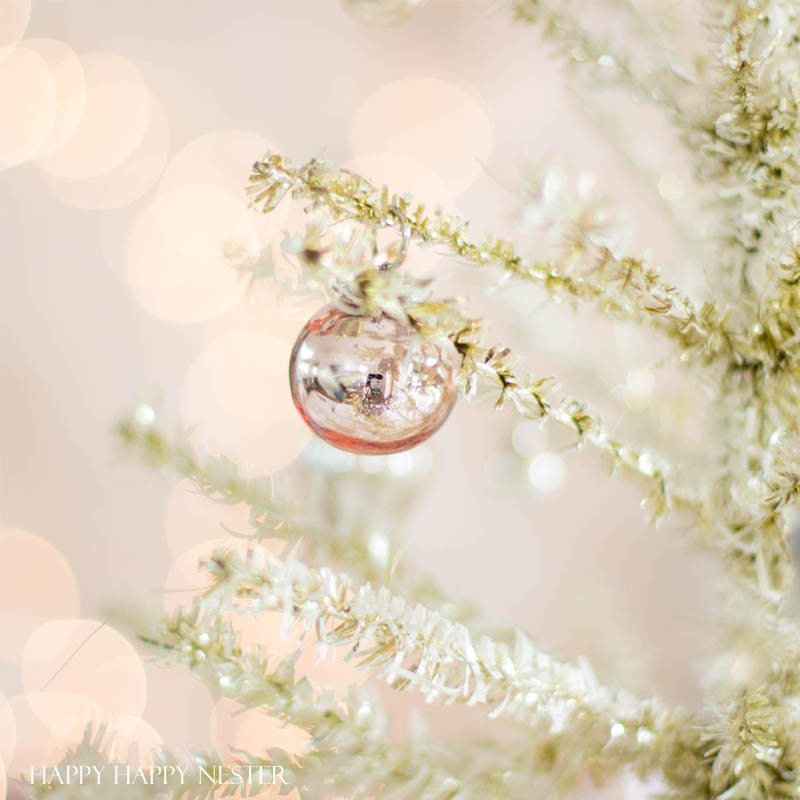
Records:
x=371, y=384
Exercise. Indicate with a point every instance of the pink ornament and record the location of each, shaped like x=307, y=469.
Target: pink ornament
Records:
x=371, y=384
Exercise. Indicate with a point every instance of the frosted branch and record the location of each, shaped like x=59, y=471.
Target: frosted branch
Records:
x=413, y=647
x=609, y=63
x=619, y=286
x=271, y=515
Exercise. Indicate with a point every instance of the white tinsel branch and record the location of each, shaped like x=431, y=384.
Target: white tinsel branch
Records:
x=272, y=515
x=621, y=286
x=411, y=646
x=351, y=750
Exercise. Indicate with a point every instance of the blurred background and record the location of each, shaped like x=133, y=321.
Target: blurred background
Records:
x=126, y=138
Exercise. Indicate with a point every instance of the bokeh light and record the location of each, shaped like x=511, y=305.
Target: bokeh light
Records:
x=113, y=123
x=195, y=220
x=14, y=18
x=187, y=575
x=429, y=120
x=178, y=257
x=28, y=103
x=127, y=182
x=78, y=656
x=32, y=737
x=64, y=714
x=546, y=471
x=403, y=173
x=220, y=158
x=178, y=707
x=670, y=187
x=253, y=731
x=236, y=397
x=36, y=584
x=326, y=668
x=69, y=79
x=132, y=740
x=192, y=519
x=529, y=438
x=47, y=723
x=268, y=631
x=639, y=387
x=323, y=665
x=8, y=731
x=176, y=265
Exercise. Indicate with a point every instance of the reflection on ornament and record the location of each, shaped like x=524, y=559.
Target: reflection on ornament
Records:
x=382, y=12
x=371, y=384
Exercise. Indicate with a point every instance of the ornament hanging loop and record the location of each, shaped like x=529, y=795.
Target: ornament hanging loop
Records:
x=397, y=218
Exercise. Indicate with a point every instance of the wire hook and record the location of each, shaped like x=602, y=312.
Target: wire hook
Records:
x=398, y=218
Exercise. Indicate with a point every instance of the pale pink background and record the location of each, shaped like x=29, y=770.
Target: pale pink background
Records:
x=578, y=567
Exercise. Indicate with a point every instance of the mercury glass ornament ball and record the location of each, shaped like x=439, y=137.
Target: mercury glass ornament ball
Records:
x=371, y=384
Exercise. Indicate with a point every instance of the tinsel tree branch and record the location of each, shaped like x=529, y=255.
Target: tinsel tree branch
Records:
x=236, y=583
x=355, y=284
x=221, y=480
x=752, y=689
x=748, y=148
x=621, y=286
x=272, y=515
x=752, y=515
x=752, y=546
x=199, y=776
x=744, y=139
x=750, y=533
x=752, y=145
x=533, y=398
x=413, y=647
x=779, y=314
x=657, y=24
x=610, y=63
x=351, y=750
x=628, y=144
x=342, y=266
x=753, y=749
